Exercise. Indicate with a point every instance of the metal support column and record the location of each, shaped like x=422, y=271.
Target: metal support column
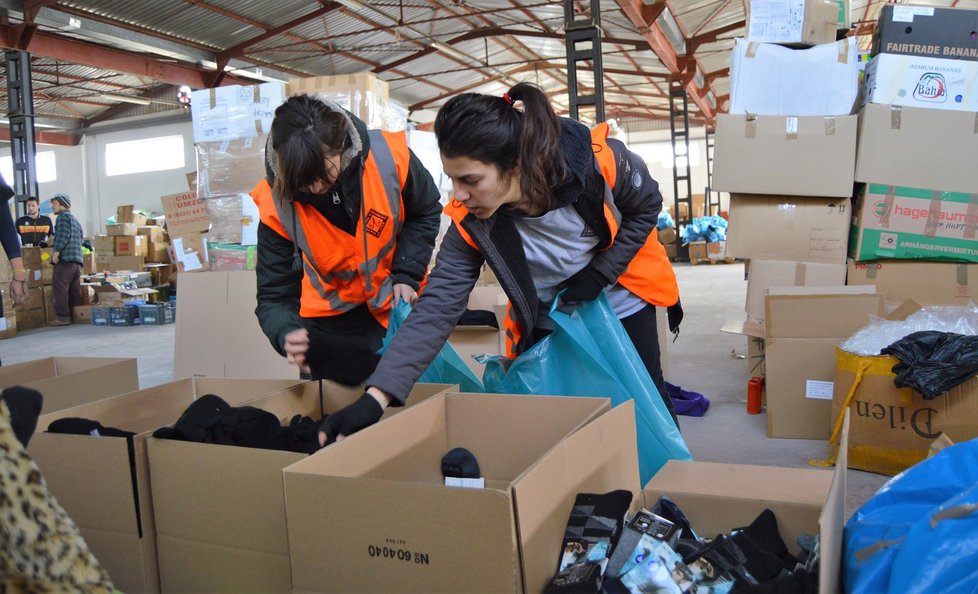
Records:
x=20, y=105
x=712, y=198
x=584, y=45
x=681, y=179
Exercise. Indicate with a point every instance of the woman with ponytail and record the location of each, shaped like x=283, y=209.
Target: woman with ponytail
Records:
x=549, y=206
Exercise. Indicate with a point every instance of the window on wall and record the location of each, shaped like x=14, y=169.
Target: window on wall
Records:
x=140, y=156
x=45, y=167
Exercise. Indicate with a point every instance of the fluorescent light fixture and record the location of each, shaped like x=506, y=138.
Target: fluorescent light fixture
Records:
x=126, y=98
x=351, y=4
x=672, y=32
x=451, y=51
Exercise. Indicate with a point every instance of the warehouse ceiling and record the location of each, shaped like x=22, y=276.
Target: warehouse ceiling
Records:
x=98, y=60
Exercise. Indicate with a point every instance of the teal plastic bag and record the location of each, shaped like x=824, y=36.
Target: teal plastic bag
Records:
x=448, y=366
x=590, y=354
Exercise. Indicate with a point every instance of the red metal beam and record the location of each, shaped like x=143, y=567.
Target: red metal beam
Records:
x=41, y=137
x=76, y=52
x=634, y=9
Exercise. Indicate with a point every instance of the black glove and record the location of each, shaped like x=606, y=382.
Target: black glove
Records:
x=348, y=420
x=585, y=285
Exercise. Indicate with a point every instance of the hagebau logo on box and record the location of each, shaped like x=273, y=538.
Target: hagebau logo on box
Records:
x=931, y=87
x=879, y=208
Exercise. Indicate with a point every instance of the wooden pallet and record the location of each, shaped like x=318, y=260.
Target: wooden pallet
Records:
x=695, y=261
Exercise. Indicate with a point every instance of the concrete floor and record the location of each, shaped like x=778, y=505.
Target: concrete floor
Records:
x=703, y=360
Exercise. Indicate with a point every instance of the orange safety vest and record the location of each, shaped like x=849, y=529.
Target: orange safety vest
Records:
x=342, y=272
x=649, y=275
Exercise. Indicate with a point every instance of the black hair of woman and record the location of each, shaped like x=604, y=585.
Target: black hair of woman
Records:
x=493, y=130
x=305, y=134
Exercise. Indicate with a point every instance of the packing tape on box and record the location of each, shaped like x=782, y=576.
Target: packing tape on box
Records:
x=933, y=214
x=791, y=128
x=896, y=113
x=961, y=270
x=871, y=269
x=800, y=274
x=213, y=97
x=830, y=126
x=972, y=217
x=751, y=49
x=887, y=206
x=750, y=126
x=843, y=50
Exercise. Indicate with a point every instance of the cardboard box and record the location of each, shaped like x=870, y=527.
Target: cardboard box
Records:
x=355, y=508
x=159, y=274
x=913, y=223
x=797, y=156
x=34, y=300
x=209, y=304
x=127, y=214
x=114, y=295
x=234, y=219
x=927, y=283
x=185, y=214
x=234, y=111
x=231, y=167
x=152, y=233
x=121, y=229
x=113, y=263
x=719, y=498
x=893, y=428
x=897, y=147
x=697, y=250
x=70, y=381
x=130, y=245
x=362, y=94
x=189, y=252
x=765, y=274
x=769, y=79
x=916, y=81
x=232, y=256
x=667, y=235
x=37, y=263
x=470, y=341
x=28, y=319
x=103, y=482
x=82, y=314
x=50, y=314
x=796, y=228
x=716, y=250
x=158, y=252
x=937, y=32
x=226, y=531
x=801, y=333
x=807, y=22
x=103, y=244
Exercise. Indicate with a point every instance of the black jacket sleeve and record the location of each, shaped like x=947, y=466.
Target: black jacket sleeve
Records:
x=433, y=318
x=279, y=287
x=422, y=215
x=638, y=199
x=9, y=237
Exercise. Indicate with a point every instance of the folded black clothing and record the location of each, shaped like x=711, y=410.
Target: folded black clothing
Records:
x=345, y=358
x=80, y=426
x=25, y=407
x=478, y=317
x=766, y=552
x=210, y=419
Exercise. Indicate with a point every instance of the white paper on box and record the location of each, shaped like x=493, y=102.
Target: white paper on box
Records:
x=467, y=483
x=191, y=262
x=249, y=221
x=905, y=14
x=235, y=111
x=777, y=21
x=3, y=324
x=819, y=390
x=920, y=81
x=769, y=79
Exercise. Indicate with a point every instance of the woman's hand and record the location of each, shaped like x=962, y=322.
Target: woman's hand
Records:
x=18, y=291
x=405, y=293
x=296, y=346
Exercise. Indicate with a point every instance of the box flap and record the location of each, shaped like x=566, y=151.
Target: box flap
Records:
x=904, y=310
x=819, y=316
x=764, y=274
x=744, y=327
x=824, y=290
x=832, y=520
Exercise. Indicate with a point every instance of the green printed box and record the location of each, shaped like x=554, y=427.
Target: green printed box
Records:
x=914, y=223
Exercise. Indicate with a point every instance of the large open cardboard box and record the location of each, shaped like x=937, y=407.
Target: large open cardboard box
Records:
x=105, y=486
x=220, y=510
x=69, y=381
x=717, y=498
x=371, y=514
x=469, y=341
x=925, y=282
x=209, y=304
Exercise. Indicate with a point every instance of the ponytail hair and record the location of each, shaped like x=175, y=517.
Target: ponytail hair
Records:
x=304, y=133
x=491, y=130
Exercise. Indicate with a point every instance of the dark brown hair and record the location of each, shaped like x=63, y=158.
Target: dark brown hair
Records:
x=491, y=130
x=304, y=133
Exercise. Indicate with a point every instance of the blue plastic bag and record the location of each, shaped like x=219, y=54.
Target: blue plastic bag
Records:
x=590, y=354
x=447, y=367
x=893, y=528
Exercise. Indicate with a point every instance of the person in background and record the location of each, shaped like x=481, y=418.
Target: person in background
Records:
x=11, y=247
x=548, y=205
x=67, y=260
x=35, y=229
x=348, y=224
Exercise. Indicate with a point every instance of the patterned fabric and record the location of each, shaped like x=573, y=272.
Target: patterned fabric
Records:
x=68, y=238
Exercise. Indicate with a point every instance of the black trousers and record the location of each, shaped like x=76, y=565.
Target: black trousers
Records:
x=643, y=330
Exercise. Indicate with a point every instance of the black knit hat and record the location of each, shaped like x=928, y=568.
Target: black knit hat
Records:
x=63, y=199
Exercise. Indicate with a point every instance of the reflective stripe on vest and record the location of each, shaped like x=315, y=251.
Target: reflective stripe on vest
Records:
x=381, y=175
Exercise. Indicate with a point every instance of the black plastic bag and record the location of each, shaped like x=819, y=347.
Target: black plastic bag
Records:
x=933, y=362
